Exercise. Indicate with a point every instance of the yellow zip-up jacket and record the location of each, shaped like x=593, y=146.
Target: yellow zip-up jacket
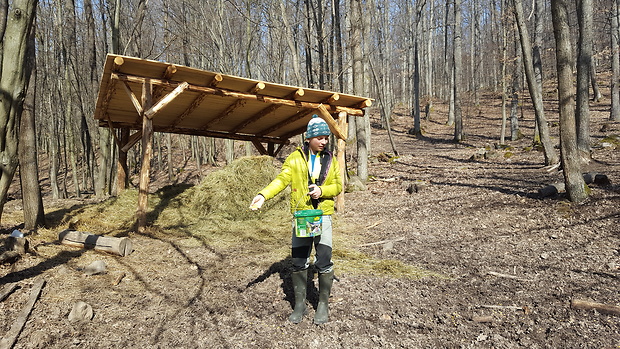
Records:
x=295, y=172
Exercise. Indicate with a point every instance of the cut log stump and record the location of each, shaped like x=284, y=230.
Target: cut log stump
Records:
x=119, y=246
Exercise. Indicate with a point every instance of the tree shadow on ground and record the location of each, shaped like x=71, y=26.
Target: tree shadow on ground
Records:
x=63, y=257
x=284, y=269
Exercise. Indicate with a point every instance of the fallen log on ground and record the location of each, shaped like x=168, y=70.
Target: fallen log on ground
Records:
x=559, y=187
x=7, y=290
x=119, y=246
x=600, y=307
x=11, y=337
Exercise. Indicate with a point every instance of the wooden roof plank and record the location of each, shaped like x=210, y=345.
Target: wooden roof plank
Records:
x=231, y=108
x=270, y=109
x=197, y=101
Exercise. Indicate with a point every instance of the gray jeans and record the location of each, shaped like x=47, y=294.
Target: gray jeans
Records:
x=302, y=247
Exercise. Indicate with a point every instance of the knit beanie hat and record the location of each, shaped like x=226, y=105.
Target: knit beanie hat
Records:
x=317, y=127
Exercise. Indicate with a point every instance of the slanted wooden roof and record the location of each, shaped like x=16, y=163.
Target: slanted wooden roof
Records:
x=199, y=102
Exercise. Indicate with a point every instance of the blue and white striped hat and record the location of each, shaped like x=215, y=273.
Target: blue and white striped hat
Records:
x=317, y=127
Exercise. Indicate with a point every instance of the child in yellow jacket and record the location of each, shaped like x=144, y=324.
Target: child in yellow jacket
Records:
x=314, y=176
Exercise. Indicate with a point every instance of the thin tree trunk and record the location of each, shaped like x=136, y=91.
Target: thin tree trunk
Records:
x=584, y=63
x=458, y=71
x=502, y=136
x=573, y=178
x=358, y=88
x=615, y=61
x=32, y=201
x=551, y=158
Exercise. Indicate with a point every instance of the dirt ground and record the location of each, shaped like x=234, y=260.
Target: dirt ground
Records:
x=508, y=262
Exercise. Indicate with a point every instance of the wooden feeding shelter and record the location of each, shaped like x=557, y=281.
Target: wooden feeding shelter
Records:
x=146, y=96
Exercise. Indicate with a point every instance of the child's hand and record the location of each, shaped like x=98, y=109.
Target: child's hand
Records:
x=315, y=191
x=257, y=202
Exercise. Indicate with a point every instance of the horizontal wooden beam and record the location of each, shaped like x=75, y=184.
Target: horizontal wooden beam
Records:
x=240, y=95
x=206, y=133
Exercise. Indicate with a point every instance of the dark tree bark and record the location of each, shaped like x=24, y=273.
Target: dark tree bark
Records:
x=584, y=63
x=571, y=166
x=458, y=71
x=551, y=157
x=615, y=62
x=32, y=201
x=14, y=80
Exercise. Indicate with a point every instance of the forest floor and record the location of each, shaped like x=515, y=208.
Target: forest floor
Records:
x=503, y=262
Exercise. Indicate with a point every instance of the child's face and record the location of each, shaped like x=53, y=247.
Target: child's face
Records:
x=317, y=144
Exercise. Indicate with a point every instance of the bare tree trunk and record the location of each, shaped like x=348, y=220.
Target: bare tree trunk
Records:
x=515, y=90
x=551, y=158
x=358, y=87
x=502, y=136
x=615, y=61
x=14, y=80
x=458, y=71
x=597, y=95
x=573, y=178
x=32, y=201
x=105, y=135
x=584, y=63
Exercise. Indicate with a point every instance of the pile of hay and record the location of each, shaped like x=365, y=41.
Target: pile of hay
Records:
x=217, y=210
x=228, y=192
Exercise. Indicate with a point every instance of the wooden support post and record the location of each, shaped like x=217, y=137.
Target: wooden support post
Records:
x=122, y=170
x=333, y=126
x=259, y=146
x=343, y=126
x=147, y=153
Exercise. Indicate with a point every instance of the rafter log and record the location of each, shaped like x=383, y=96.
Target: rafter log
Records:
x=197, y=102
x=296, y=94
x=162, y=103
x=216, y=80
x=270, y=109
x=353, y=111
x=118, y=62
x=133, y=139
x=300, y=115
x=365, y=104
x=231, y=108
x=333, y=98
x=258, y=87
x=168, y=73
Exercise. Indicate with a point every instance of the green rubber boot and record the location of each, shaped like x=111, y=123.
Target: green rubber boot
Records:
x=325, y=287
x=300, y=282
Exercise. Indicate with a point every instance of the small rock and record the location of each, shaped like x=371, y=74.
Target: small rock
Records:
x=96, y=267
x=385, y=317
x=81, y=312
x=544, y=255
x=388, y=246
